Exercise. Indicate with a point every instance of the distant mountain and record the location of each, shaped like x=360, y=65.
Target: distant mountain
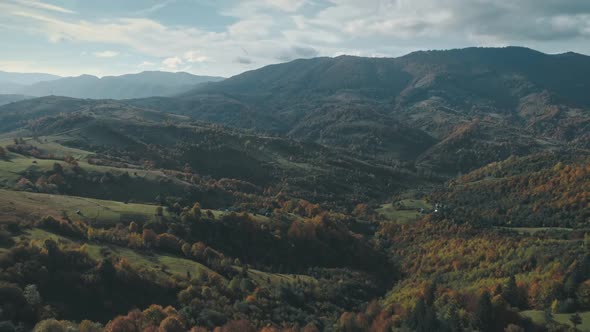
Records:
x=142, y=85
x=7, y=99
x=452, y=110
x=25, y=78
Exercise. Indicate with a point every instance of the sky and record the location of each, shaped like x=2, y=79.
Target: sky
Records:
x=227, y=37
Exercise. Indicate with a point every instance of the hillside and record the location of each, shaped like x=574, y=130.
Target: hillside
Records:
x=117, y=133
x=530, y=100
x=7, y=99
x=439, y=191
x=540, y=190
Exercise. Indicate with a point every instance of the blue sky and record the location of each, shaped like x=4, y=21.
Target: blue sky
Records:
x=112, y=37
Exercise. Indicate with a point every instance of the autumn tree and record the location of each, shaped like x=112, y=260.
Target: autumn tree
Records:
x=121, y=324
x=154, y=314
x=168, y=242
x=52, y=325
x=172, y=324
x=133, y=227
x=88, y=326
x=150, y=238
x=186, y=249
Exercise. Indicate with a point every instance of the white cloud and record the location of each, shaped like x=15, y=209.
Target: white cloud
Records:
x=146, y=64
x=43, y=6
x=255, y=27
x=285, y=5
x=194, y=56
x=106, y=54
x=155, y=8
x=268, y=31
x=173, y=62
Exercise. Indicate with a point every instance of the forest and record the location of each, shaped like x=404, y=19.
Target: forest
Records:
x=361, y=201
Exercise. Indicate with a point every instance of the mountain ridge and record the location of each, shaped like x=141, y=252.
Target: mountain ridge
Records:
x=138, y=85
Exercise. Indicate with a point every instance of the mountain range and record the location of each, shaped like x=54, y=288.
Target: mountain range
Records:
x=438, y=191
x=446, y=112
x=484, y=104
x=145, y=84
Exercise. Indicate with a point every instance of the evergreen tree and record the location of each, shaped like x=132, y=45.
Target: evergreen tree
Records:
x=484, y=315
x=576, y=320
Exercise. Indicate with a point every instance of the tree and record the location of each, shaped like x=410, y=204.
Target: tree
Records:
x=583, y=294
x=423, y=317
x=510, y=292
x=50, y=325
x=186, y=249
x=3, y=154
x=121, y=324
x=576, y=320
x=154, y=314
x=107, y=271
x=32, y=295
x=172, y=324
x=168, y=242
x=484, y=314
x=133, y=227
x=513, y=328
x=196, y=211
x=88, y=326
x=149, y=238
x=555, y=306
x=57, y=168
x=548, y=315
x=159, y=211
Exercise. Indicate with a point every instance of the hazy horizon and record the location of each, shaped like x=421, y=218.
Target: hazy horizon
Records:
x=163, y=70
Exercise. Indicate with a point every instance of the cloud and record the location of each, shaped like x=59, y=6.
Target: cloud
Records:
x=243, y=60
x=285, y=5
x=155, y=8
x=173, y=62
x=194, y=56
x=106, y=54
x=281, y=30
x=297, y=52
x=255, y=27
x=43, y=6
x=146, y=64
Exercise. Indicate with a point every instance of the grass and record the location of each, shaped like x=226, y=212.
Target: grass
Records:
x=12, y=169
x=160, y=265
x=31, y=206
x=264, y=278
x=538, y=316
x=404, y=211
x=51, y=145
x=163, y=265
x=533, y=230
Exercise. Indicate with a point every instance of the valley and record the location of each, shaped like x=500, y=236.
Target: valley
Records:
x=438, y=191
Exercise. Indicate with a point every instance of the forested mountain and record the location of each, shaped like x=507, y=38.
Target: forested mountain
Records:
x=485, y=103
x=438, y=191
